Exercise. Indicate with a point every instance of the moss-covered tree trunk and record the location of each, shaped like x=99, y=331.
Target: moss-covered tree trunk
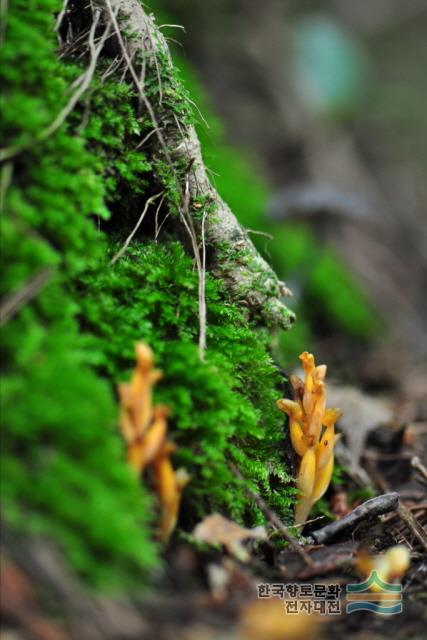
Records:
x=114, y=234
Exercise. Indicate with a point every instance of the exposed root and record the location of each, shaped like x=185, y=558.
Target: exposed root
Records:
x=136, y=227
x=233, y=257
x=83, y=83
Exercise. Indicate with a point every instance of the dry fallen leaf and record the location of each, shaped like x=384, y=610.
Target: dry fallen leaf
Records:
x=362, y=414
x=215, y=529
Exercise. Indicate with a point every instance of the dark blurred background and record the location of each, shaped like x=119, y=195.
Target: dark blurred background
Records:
x=316, y=134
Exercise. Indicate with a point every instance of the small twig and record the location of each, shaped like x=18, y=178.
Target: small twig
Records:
x=94, y=51
x=366, y=511
x=272, y=517
x=135, y=229
x=14, y=301
x=413, y=525
x=419, y=467
x=67, y=51
x=202, y=293
x=304, y=524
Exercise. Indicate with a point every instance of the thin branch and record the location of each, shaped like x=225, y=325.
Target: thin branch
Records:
x=272, y=517
x=413, y=525
x=419, y=467
x=73, y=46
x=94, y=51
x=135, y=229
x=13, y=302
x=112, y=68
x=367, y=511
x=200, y=262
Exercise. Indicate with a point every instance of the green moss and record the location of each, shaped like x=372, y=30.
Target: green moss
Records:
x=63, y=469
x=223, y=408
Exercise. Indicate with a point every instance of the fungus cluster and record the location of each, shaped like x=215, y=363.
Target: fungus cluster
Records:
x=144, y=429
x=312, y=431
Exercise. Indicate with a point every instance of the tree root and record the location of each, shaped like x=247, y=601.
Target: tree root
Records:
x=232, y=255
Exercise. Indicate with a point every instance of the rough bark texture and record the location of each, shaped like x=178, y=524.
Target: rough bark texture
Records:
x=232, y=255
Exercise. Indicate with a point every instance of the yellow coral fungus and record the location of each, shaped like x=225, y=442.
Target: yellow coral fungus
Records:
x=169, y=487
x=389, y=567
x=295, y=413
x=144, y=429
x=312, y=431
x=325, y=447
x=298, y=439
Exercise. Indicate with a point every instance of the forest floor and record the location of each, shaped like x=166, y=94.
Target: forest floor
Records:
x=208, y=593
